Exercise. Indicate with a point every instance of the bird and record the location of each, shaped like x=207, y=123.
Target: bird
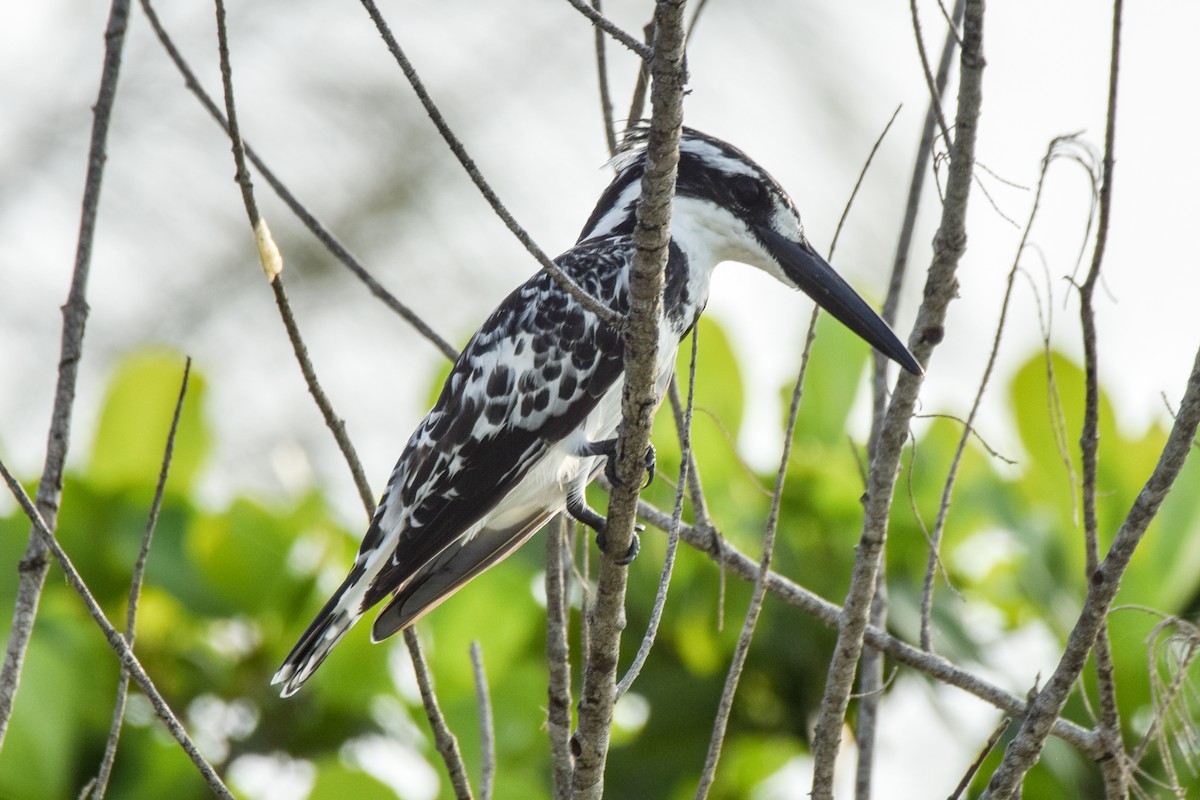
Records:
x=530, y=411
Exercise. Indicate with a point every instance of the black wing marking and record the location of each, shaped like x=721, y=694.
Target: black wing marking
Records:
x=530, y=375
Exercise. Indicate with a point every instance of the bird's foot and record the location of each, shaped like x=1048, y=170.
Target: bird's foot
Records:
x=608, y=449
x=634, y=545
x=580, y=510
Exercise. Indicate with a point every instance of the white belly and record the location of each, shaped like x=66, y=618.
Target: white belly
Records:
x=546, y=486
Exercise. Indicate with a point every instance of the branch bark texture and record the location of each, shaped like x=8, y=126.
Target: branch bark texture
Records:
x=34, y=565
x=940, y=288
x=652, y=236
x=1024, y=751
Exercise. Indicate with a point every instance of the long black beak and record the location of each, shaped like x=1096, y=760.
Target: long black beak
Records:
x=817, y=279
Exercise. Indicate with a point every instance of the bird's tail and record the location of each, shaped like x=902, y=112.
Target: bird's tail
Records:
x=327, y=629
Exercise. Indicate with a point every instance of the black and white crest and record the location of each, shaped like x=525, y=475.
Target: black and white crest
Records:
x=532, y=405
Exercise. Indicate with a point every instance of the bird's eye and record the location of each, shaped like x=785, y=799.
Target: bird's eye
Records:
x=748, y=191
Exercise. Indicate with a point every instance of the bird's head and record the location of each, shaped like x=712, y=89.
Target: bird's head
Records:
x=728, y=208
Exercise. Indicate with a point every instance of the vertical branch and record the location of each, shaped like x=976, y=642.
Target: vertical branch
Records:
x=135, y=593
x=916, y=187
x=443, y=738
x=606, y=108
x=558, y=717
x=487, y=728
x=941, y=287
x=651, y=238
x=664, y=580
x=1116, y=777
x=1025, y=749
x=34, y=564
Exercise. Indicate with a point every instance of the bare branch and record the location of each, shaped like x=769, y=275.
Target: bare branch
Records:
x=732, y=678
x=664, y=579
x=984, y=752
x=602, y=23
x=726, y=555
x=871, y=678
x=935, y=93
x=916, y=187
x=100, y=785
x=1025, y=749
x=592, y=304
x=34, y=564
x=446, y=743
x=939, y=527
x=443, y=737
x=558, y=717
x=651, y=238
x=314, y=225
x=941, y=287
x=336, y=425
x=1116, y=778
x=115, y=640
x=487, y=728
x=606, y=107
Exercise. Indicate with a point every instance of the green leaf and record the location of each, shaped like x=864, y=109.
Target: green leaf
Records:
x=132, y=433
x=243, y=555
x=337, y=781
x=833, y=379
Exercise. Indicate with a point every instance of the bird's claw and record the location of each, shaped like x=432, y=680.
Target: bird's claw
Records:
x=610, y=467
x=635, y=545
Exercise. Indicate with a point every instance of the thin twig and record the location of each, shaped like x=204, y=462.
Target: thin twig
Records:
x=33, y=565
x=115, y=640
x=984, y=752
x=941, y=288
x=606, y=107
x=336, y=424
x=1165, y=697
x=100, y=786
x=446, y=743
x=916, y=188
x=664, y=578
x=592, y=304
x=948, y=487
x=871, y=677
x=443, y=737
x=651, y=238
x=245, y=183
x=750, y=623
x=935, y=94
x=637, y=101
x=1116, y=778
x=487, y=727
x=862, y=174
x=558, y=716
x=322, y=234
x=1025, y=749
x=602, y=23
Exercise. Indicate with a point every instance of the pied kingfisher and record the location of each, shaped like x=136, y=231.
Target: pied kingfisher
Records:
x=531, y=408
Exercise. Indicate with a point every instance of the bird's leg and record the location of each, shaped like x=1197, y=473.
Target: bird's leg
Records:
x=578, y=508
x=608, y=449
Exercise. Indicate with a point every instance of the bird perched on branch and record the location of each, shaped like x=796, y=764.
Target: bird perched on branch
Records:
x=530, y=411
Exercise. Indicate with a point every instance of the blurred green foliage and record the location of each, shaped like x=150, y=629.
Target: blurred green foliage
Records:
x=228, y=591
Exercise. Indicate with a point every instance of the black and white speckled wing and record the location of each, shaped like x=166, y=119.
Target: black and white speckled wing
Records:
x=529, y=377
